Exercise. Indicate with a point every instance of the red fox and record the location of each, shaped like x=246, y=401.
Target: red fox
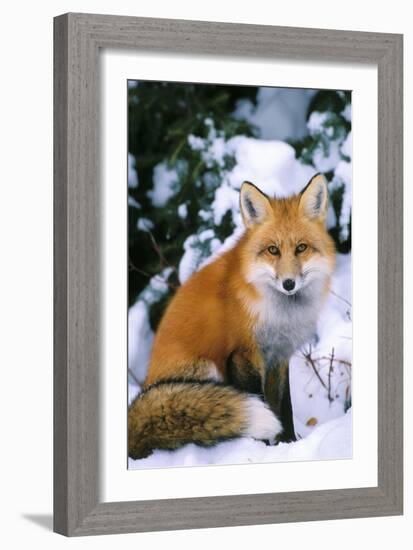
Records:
x=219, y=365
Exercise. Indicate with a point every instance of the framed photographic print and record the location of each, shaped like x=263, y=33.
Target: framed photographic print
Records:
x=228, y=274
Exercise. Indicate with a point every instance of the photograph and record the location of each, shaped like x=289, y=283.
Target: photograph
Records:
x=239, y=274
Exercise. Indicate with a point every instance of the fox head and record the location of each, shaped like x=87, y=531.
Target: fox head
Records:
x=287, y=246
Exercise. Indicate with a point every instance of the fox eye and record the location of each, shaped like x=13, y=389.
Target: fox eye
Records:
x=274, y=250
x=300, y=248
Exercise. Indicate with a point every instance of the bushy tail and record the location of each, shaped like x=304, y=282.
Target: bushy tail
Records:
x=171, y=413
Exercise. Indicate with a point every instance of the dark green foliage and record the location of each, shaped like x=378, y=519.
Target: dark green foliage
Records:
x=330, y=100
x=334, y=130
x=161, y=116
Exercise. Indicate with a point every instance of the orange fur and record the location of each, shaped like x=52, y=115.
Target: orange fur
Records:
x=212, y=315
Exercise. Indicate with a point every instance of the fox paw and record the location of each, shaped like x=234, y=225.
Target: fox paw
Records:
x=261, y=421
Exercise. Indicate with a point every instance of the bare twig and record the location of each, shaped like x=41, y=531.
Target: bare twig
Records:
x=345, y=301
x=341, y=298
x=310, y=361
x=133, y=267
x=163, y=262
x=322, y=362
x=341, y=361
x=158, y=250
x=330, y=370
x=134, y=377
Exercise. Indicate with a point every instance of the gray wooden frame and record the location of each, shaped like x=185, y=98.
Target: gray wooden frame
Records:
x=78, y=39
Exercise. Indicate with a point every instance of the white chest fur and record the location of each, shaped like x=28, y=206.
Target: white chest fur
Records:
x=285, y=323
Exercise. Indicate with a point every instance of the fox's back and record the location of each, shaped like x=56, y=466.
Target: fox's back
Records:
x=204, y=320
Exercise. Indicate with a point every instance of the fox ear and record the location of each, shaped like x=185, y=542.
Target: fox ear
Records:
x=255, y=205
x=314, y=198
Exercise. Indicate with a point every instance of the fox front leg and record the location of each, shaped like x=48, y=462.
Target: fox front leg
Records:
x=277, y=395
x=244, y=373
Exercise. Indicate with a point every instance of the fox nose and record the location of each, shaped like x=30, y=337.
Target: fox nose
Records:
x=289, y=284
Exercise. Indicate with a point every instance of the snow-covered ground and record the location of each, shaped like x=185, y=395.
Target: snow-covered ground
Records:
x=332, y=440
x=320, y=374
x=319, y=400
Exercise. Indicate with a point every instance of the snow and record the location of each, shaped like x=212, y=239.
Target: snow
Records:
x=215, y=154
x=332, y=440
x=316, y=122
x=212, y=148
x=195, y=142
x=310, y=398
x=193, y=256
x=158, y=286
x=332, y=145
x=145, y=224
x=271, y=165
x=134, y=203
x=205, y=215
x=190, y=260
x=140, y=335
x=342, y=178
x=183, y=211
x=280, y=113
x=228, y=243
x=206, y=235
x=165, y=184
x=133, y=391
x=325, y=161
x=226, y=198
x=132, y=173
x=346, y=147
x=346, y=113
x=140, y=340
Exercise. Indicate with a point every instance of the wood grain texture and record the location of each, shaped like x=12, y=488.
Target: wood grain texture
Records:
x=78, y=39
x=60, y=277
x=390, y=279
